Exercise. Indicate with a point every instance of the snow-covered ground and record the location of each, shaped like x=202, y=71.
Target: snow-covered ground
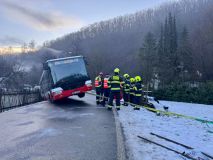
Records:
x=189, y=132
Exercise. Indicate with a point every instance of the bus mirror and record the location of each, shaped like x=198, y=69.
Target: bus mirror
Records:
x=45, y=66
x=86, y=62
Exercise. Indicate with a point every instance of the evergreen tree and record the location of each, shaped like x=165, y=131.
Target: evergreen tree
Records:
x=161, y=63
x=166, y=38
x=170, y=34
x=173, y=62
x=185, y=55
x=161, y=46
x=148, y=57
x=167, y=51
x=175, y=45
x=174, y=53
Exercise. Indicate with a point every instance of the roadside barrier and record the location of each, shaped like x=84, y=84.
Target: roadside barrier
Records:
x=10, y=100
x=165, y=112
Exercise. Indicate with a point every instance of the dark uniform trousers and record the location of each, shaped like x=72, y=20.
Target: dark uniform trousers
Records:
x=98, y=94
x=138, y=94
x=126, y=97
x=106, y=95
x=115, y=83
x=132, y=95
x=117, y=96
x=131, y=98
x=137, y=100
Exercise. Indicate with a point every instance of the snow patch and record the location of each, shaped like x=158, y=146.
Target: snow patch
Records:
x=192, y=133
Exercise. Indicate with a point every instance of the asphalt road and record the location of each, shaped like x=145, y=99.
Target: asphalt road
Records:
x=75, y=129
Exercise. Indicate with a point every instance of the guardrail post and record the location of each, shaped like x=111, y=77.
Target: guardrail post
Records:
x=25, y=98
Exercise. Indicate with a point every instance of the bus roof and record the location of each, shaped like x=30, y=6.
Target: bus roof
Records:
x=59, y=59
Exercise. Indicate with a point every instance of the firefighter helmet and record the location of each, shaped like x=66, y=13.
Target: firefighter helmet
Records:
x=116, y=70
x=126, y=76
x=137, y=78
x=132, y=80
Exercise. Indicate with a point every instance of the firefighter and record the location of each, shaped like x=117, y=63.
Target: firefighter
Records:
x=106, y=89
x=126, y=89
x=115, y=82
x=138, y=92
x=98, y=87
x=132, y=92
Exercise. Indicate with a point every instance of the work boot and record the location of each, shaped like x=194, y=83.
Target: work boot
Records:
x=103, y=103
x=109, y=107
x=118, y=108
x=133, y=105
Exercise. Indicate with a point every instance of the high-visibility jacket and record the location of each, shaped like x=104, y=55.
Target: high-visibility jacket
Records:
x=106, y=84
x=126, y=86
x=138, y=89
x=98, y=82
x=115, y=83
x=131, y=89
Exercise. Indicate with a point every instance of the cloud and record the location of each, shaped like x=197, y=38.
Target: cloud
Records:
x=37, y=19
x=9, y=40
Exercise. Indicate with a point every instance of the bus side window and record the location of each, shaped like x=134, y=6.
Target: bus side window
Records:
x=45, y=81
x=50, y=81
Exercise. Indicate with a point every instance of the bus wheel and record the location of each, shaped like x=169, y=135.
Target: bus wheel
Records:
x=81, y=95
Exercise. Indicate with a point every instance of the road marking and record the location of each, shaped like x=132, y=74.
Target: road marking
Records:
x=121, y=151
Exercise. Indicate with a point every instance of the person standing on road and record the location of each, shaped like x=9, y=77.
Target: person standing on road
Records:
x=106, y=89
x=132, y=92
x=126, y=89
x=138, y=92
x=115, y=82
x=98, y=87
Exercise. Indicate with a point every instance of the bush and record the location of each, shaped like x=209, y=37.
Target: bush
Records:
x=185, y=93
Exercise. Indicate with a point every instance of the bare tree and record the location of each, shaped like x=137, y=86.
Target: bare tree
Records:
x=31, y=45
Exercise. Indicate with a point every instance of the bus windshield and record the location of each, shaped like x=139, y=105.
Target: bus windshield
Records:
x=68, y=70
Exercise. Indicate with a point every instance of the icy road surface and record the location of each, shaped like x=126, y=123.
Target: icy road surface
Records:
x=192, y=133
x=75, y=129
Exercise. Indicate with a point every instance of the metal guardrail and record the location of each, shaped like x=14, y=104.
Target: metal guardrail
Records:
x=10, y=100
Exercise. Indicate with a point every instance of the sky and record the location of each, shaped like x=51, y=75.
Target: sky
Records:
x=40, y=20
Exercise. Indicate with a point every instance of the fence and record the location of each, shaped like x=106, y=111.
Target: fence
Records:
x=10, y=100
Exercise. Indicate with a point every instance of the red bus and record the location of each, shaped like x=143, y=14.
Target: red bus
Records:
x=64, y=77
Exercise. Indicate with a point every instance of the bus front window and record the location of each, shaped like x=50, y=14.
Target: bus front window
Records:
x=72, y=70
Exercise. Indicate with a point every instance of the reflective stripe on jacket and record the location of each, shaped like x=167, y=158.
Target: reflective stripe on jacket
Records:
x=132, y=91
x=106, y=83
x=126, y=86
x=115, y=83
x=138, y=89
x=98, y=82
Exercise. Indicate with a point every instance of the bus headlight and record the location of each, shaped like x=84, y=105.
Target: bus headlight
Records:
x=57, y=91
x=88, y=83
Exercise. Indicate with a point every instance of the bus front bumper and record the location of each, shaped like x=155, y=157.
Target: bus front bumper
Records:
x=68, y=93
